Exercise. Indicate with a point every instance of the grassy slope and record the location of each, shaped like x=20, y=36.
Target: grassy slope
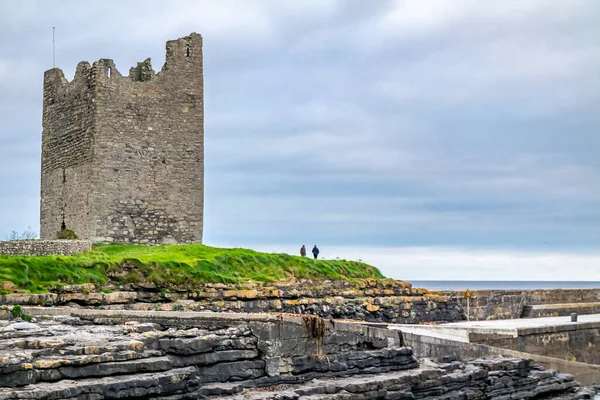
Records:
x=172, y=266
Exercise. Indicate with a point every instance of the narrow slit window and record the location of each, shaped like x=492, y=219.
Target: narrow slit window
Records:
x=108, y=72
x=187, y=50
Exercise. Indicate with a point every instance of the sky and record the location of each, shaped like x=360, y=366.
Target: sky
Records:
x=433, y=139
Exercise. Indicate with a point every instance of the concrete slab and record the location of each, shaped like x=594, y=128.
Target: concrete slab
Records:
x=525, y=322
x=441, y=332
x=460, y=331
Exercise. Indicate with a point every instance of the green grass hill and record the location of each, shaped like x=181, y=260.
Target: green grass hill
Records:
x=181, y=266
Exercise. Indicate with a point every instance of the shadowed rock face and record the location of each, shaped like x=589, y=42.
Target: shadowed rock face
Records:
x=108, y=355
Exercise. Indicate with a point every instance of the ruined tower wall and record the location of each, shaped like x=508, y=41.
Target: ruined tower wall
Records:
x=66, y=181
x=123, y=156
x=150, y=149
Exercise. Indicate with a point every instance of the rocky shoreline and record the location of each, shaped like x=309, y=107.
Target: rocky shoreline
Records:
x=104, y=354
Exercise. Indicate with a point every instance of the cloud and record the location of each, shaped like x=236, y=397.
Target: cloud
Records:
x=447, y=126
x=464, y=263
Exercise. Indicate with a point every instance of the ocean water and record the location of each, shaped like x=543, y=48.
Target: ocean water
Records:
x=504, y=285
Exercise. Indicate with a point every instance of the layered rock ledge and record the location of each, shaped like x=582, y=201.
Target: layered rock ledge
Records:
x=368, y=300
x=102, y=354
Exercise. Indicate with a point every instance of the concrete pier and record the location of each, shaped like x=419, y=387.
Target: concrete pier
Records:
x=555, y=342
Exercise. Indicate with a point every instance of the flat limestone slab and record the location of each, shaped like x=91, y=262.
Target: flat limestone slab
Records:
x=88, y=313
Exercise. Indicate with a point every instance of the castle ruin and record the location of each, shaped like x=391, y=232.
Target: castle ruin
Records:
x=123, y=156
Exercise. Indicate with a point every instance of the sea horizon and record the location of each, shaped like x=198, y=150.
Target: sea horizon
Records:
x=502, y=285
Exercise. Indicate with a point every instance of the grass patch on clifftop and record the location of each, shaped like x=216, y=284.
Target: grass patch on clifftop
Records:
x=180, y=266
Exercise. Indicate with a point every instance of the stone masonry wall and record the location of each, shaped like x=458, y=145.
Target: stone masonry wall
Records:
x=123, y=156
x=68, y=127
x=510, y=304
x=153, y=190
x=44, y=247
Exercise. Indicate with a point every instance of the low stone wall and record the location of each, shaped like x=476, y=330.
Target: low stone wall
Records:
x=44, y=247
x=560, y=310
x=510, y=304
x=95, y=354
x=371, y=300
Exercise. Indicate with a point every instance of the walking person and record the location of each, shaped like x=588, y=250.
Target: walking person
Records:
x=303, y=251
x=315, y=251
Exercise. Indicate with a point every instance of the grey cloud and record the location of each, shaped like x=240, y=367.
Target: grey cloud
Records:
x=392, y=123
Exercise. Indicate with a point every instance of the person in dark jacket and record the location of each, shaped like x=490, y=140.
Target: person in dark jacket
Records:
x=303, y=251
x=315, y=251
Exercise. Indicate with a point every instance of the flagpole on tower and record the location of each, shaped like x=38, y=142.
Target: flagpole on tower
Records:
x=53, y=49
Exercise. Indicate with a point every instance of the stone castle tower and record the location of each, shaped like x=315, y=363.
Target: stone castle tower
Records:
x=123, y=156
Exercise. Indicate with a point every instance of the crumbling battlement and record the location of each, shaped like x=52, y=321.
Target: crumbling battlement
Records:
x=123, y=156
